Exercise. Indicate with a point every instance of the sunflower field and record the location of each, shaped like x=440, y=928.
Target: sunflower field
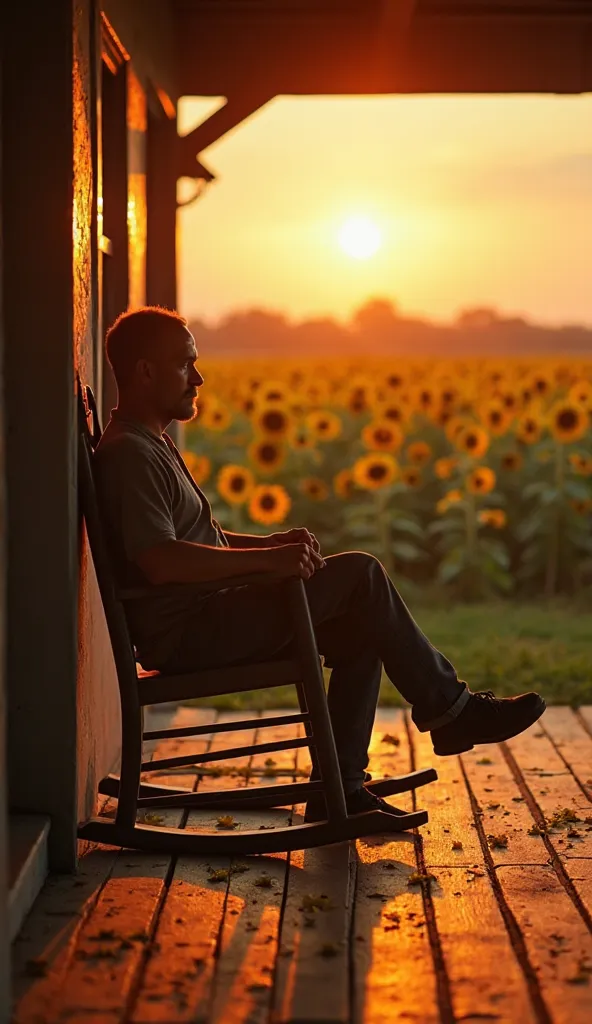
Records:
x=474, y=476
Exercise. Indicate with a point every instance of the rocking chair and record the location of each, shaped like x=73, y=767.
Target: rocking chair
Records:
x=139, y=688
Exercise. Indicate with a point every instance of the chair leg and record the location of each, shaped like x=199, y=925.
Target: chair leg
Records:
x=380, y=787
x=132, y=729
x=316, y=702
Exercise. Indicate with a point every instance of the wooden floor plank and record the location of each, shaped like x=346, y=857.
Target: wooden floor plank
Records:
x=312, y=971
x=178, y=977
x=250, y=935
x=451, y=817
x=43, y=950
x=557, y=940
x=585, y=714
x=579, y=871
x=555, y=791
x=485, y=977
x=505, y=814
x=393, y=968
x=312, y=981
x=573, y=743
x=468, y=917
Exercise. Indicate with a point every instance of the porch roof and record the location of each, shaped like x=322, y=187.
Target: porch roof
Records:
x=316, y=47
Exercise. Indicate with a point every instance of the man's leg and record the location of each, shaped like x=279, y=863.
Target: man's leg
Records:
x=356, y=609
x=377, y=616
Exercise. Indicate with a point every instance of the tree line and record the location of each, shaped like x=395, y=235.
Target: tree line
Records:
x=379, y=328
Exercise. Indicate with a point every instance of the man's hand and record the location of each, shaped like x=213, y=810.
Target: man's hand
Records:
x=299, y=535
x=294, y=560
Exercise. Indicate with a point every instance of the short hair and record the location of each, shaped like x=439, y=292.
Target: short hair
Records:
x=133, y=334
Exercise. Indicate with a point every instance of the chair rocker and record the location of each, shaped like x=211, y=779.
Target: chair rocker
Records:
x=139, y=688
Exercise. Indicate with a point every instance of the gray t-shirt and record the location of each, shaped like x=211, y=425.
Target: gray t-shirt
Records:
x=148, y=497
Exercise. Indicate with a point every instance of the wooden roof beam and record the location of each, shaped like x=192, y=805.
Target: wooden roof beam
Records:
x=236, y=110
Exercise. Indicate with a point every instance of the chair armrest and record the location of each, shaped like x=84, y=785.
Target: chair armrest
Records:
x=204, y=587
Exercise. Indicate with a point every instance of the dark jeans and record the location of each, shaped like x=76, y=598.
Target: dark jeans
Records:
x=361, y=623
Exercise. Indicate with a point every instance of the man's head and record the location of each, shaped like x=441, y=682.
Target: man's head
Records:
x=152, y=355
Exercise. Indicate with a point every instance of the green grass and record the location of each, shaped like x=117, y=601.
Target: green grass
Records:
x=504, y=647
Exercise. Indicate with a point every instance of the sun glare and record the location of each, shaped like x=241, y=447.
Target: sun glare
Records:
x=359, y=237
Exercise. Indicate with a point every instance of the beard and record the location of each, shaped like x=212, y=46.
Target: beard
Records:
x=186, y=409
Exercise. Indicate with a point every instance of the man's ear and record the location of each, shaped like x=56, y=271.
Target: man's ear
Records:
x=145, y=371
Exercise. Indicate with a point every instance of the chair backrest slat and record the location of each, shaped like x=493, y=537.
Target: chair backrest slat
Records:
x=121, y=642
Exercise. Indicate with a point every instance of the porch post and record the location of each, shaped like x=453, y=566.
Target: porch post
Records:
x=161, y=244
x=161, y=250
x=42, y=579
x=4, y=944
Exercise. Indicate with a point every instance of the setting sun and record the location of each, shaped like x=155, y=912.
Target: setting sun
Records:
x=359, y=237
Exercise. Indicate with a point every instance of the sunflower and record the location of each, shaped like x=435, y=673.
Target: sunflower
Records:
x=454, y=426
x=528, y=428
x=481, y=480
x=540, y=383
x=394, y=380
x=424, y=398
x=411, y=476
x=273, y=391
x=235, y=484
x=582, y=464
x=450, y=498
x=313, y=487
x=357, y=401
x=509, y=400
x=199, y=466
x=382, y=436
x=581, y=506
x=495, y=517
x=496, y=418
x=449, y=396
x=395, y=412
x=375, y=470
x=215, y=417
x=267, y=455
x=315, y=392
x=419, y=453
x=300, y=438
x=512, y=461
x=246, y=404
x=444, y=468
x=568, y=422
x=580, y=393
x=325, y=426
x=272, y=420
x=269, y=503
x=473, y=440
x=344, y=484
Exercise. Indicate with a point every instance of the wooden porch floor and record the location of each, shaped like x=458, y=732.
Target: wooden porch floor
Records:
x=348, y=933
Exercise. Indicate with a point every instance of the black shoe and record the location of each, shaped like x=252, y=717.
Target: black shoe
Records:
x=487, y=719
x=357, y=802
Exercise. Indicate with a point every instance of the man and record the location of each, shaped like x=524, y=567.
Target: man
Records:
x=161, y=531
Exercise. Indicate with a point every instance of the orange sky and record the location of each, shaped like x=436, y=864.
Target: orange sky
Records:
x=480, y=200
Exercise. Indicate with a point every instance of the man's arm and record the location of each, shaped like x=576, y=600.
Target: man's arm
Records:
x=180, y=561
x=248, y=540
x=299, y=535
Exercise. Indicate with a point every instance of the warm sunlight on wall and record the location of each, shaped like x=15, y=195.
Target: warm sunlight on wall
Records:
x=478, y=200
x=137, y=119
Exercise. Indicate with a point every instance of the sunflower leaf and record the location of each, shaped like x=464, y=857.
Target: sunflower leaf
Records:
x=406, y=552
x=577, y=489
x=445, y=526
